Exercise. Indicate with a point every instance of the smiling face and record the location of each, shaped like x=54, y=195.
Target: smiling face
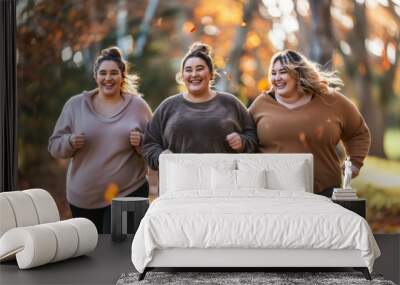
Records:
x=283, y=82
x=109, y=78
x=196, y=76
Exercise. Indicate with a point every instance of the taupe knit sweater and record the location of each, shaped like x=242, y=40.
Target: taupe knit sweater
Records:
x=107, y=157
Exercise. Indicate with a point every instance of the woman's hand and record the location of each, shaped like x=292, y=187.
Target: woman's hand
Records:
x=354, y=171
x=235, y=141
x=77, y=141
x=135, y=138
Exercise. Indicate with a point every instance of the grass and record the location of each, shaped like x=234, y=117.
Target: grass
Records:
x=392, y=143
x=379, y=183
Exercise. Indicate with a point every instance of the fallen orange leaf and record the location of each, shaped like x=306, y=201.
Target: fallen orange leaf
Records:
x=111, y=192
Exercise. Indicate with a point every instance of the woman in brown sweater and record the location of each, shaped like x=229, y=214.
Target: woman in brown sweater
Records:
x=301, y=113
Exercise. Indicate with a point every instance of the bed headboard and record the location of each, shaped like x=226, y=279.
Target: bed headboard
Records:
x=169, y=159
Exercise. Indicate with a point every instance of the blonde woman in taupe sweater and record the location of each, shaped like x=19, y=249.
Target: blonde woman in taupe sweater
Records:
x=101, y=132
x=302, y=113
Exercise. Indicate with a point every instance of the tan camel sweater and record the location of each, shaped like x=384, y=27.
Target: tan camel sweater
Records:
x=316, y=128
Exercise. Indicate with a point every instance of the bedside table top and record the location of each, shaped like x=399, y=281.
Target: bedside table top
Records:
x=350, y=200
x=129, y=199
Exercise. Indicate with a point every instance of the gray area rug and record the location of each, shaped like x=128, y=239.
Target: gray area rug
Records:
x=269, y=278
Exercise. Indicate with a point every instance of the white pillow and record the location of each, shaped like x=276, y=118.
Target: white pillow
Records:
x=223, y=179
x=226, y=179
x=251, y=178
x=184, y=174
x=292, y=179
x=188, y=177
x=280, y=175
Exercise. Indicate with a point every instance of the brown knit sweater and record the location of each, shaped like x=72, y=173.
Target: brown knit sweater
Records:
x=316, y=128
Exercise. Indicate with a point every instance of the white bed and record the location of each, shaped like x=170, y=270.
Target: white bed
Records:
x=247, y=210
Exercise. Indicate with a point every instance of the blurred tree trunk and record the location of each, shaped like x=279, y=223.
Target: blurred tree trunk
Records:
x=322, y=38
x=359, y=70
x=322, y=42
x=184, y=39
x=233, y=66
x=304, y=33
x=92, y=51
x=144, y=29
x=387, y=79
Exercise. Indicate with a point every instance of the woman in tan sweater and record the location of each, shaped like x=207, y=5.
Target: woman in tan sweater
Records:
x=301, y=113
x=100, y=132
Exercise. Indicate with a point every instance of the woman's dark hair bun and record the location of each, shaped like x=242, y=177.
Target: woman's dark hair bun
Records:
x=198, y=46
x=114, y=54
x=112, y=51
x=200, y=50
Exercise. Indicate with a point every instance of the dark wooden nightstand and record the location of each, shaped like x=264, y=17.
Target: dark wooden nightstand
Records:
x=119, y=208
x=356, y=205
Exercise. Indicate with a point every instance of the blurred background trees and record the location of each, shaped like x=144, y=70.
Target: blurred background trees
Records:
x=57, y=42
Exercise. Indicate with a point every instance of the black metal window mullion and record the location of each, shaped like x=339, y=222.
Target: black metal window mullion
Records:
x=8, y=96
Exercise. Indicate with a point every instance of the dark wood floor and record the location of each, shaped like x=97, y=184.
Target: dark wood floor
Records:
x=106, y=264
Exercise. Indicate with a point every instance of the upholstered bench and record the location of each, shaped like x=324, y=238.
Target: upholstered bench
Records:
x=31, y=230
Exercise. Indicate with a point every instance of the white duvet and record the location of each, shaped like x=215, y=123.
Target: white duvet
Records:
x=256, y=218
